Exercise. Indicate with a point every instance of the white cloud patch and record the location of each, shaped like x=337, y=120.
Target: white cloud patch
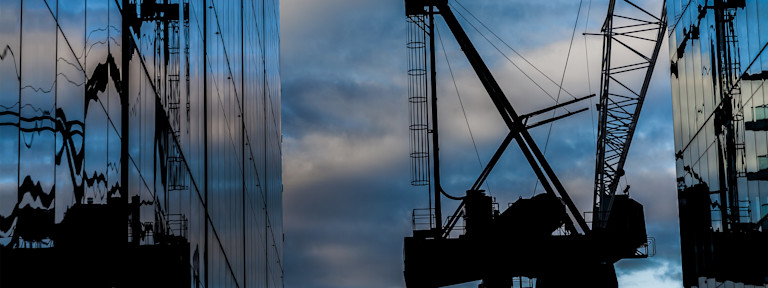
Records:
x=660, y=275
x=319, y=156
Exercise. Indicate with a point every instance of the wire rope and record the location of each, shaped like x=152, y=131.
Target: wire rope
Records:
x=513, y=49
x=589, y=77
x=562, y=79
x=461, y=103
x=505, y=56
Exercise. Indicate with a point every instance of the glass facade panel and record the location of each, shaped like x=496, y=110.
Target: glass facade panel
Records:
x=721, y=138
x=166, y=110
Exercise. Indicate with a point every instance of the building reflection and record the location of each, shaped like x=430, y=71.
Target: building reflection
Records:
x=142, y=137
x=718, y=68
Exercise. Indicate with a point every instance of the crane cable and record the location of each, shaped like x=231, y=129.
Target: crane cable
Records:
x=562, y=79
x=589, y=78
x=461, y=103
x=508, y=59
x=513, y=50
x=560, y=86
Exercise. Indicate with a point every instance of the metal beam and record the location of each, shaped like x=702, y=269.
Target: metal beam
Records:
x=435, y=138
x=529, y=115
x=529, y=148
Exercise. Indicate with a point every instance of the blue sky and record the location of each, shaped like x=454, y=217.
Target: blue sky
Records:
x=348, y=202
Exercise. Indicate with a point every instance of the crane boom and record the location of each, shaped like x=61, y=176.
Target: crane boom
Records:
x=620, y=99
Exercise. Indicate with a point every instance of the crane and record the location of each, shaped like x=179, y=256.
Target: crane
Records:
x=519, y=241
x=621, y=98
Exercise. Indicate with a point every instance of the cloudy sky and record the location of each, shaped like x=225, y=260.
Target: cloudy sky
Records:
x=348, y=202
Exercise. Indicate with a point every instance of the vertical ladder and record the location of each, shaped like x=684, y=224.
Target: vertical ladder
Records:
x=418, y=101
x=418, y=107
x=732, y=65
x=730, y=110
x=176, y=173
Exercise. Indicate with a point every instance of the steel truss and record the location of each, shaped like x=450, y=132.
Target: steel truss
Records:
x=621, y=96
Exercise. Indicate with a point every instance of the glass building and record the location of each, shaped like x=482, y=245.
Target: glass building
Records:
x=718, y=69
x=128, y=127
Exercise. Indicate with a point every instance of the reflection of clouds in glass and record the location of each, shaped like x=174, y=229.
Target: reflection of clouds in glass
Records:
x=80, y=78
x=9, y=17
x=85, y=70
x=47, y=134
x=700, y=137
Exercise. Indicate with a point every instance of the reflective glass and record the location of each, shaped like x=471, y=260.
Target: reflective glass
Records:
x=180, y=118
x=718, y=69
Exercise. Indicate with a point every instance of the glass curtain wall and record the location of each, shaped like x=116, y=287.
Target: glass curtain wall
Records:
x=718, y=70
x=197, y=82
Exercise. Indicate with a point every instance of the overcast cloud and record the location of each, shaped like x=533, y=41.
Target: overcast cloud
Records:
x=348, y=202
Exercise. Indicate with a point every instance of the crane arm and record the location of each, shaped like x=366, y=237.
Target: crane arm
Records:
x=620, y=99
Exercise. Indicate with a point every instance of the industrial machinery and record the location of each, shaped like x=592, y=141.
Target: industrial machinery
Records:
x=519, y=241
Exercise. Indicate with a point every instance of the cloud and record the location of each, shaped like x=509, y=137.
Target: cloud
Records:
x=659, y=274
